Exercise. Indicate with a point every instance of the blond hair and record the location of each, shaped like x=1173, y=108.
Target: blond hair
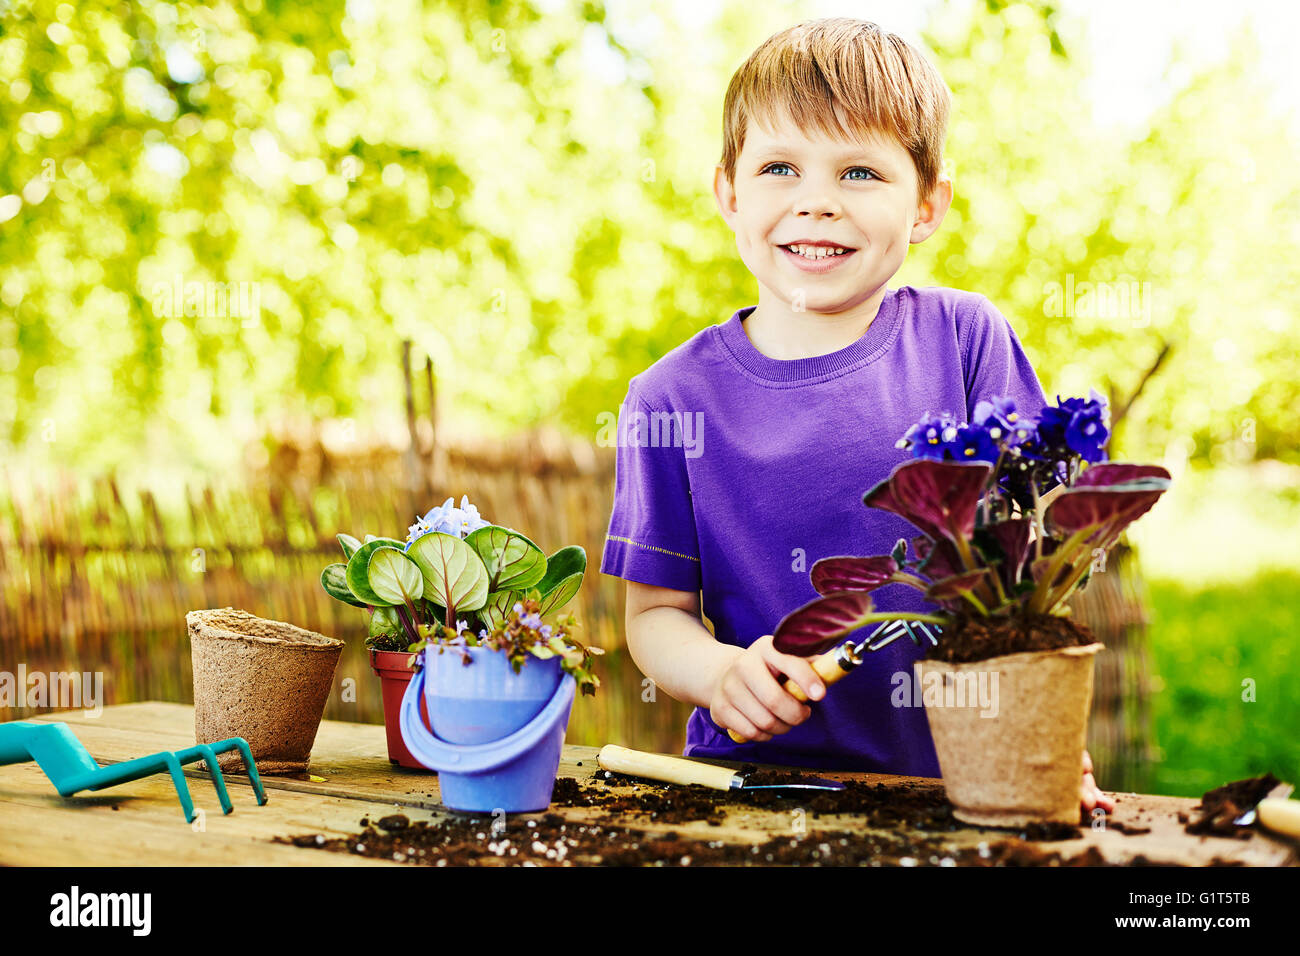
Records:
x=820, y=68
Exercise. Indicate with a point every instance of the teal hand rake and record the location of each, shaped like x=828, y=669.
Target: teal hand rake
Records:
x=71, y=768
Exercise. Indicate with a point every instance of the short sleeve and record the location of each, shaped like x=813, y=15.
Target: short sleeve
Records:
x=997, y=366
x=995, y=362
x=652, y=537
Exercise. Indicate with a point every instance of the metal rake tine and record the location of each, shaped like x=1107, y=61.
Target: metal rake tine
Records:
x=925, y=629
x=884, y=628
x=899, y=628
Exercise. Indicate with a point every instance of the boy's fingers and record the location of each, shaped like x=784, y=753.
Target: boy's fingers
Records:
x=801, y=672
x=754, y=710
x=1092, y=795
x=778, y=702
x=1087, y=762
x=772, y=697
x=730, y=718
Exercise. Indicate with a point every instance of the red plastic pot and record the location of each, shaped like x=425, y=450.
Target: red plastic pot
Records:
x=394, y=675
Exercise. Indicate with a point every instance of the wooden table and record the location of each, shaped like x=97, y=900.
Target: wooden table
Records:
x=140, y=823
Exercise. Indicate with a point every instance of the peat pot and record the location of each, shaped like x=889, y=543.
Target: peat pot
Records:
x=265, y=681
x=1010, y=733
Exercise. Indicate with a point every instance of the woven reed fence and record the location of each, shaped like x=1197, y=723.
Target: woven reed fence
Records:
x=92, y=579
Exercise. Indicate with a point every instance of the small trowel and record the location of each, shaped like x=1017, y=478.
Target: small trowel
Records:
x=668, y=769
x=1275, y=812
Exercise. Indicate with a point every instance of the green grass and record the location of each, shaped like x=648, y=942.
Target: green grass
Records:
x=1206, y=641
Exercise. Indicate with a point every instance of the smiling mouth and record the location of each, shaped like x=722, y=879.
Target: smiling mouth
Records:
x=821, y=252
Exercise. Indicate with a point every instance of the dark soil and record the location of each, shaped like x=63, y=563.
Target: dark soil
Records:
x=975, y=638
x=915, y=818
x=463, y=840
x=1222, y=805
x=881, y=805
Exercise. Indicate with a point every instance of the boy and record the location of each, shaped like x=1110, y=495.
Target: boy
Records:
x=788, y=411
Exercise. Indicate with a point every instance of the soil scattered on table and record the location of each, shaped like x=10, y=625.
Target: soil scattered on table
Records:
x=974, y=638
x=878, y=805
x=1222, y=805
x=465, y=840
x=909, y=824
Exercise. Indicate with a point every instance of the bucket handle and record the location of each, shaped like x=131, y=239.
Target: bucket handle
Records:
x=437, y=754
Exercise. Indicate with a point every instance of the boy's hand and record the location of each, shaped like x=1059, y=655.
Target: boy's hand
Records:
x=1090, y=794
x=749, y=700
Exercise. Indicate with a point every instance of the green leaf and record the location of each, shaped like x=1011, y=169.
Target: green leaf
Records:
x=512, y=561
x=359, y=571
x=564, y=573
x=334, y=579
x=498, y=605
x=433, y=611
x=561, y=594
x=349, y=545
x=394, y=576
x=454, y=575
x=384, y=622
x=562, y=564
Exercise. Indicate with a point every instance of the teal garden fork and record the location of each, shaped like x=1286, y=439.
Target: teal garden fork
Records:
x=71, y=768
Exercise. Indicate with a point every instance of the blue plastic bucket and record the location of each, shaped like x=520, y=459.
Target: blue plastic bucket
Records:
x=497, y=735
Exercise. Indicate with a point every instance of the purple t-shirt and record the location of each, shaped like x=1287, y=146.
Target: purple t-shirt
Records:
x=736, y=471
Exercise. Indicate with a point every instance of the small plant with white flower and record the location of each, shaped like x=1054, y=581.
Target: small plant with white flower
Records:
x=460, y=581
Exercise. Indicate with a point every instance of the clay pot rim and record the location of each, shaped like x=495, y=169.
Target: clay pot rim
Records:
x=317, y=642
x=1019, y=657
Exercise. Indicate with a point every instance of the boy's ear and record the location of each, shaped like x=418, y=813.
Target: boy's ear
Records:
x=930, y=213
x=724, y=192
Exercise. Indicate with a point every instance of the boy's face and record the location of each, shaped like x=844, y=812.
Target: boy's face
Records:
x=861, y=196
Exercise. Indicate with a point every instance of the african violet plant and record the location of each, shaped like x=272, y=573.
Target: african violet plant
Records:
x=459, y=581
x=989, y=545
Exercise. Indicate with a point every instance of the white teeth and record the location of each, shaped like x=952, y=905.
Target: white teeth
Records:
x=817, y=252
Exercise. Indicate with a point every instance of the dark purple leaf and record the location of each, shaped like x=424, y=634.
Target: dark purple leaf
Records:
x=1012, y=536
x=1104, y=511
x=940, y=494
x=882, y=497
x=819, y=625
x=1114, y=473
x=852, y=574
x=945, y=589
x=939, y=560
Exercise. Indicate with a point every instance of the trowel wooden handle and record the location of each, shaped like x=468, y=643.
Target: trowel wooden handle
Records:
x=637, y=763
x=827, y=667
x=1280, y=815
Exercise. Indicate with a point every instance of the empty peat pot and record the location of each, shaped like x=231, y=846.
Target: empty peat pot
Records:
x=265, y=681
x=1009, y=733
x=496, y=735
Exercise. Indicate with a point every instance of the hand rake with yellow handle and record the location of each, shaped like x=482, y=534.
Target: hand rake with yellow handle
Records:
x=836, y=663
x=71, y=768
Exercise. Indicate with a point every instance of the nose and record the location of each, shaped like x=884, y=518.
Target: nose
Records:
x=817, y=205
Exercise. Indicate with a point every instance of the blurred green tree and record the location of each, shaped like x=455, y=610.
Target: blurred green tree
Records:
x=210, y=215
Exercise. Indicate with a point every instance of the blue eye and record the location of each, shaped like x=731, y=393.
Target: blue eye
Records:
x=870, y=175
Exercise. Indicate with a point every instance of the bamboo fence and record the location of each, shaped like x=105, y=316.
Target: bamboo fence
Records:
x=95, y=579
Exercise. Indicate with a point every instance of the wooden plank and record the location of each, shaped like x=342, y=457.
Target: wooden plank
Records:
x=357, y=779
x=140, y=823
